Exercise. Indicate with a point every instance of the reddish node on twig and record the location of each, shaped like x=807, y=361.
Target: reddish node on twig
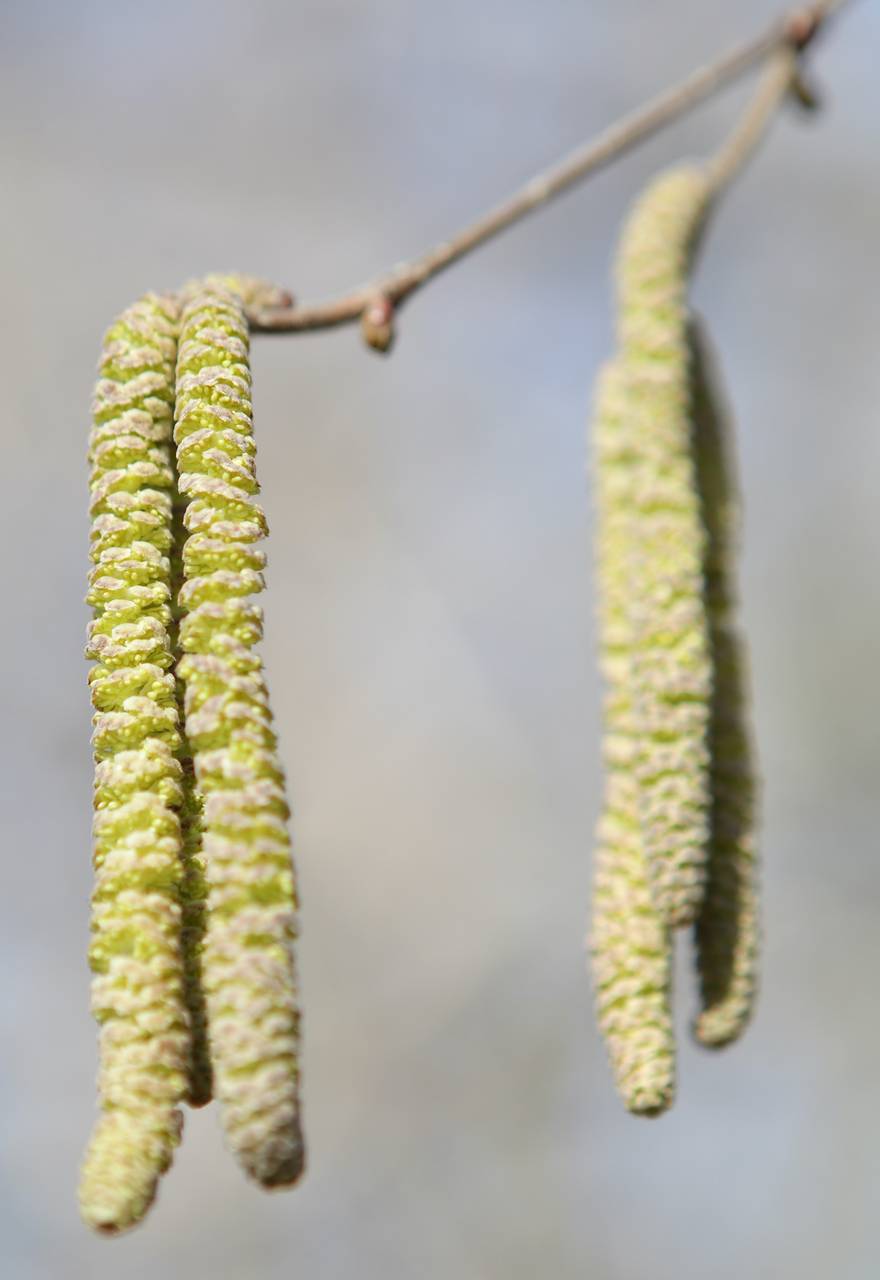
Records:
x=377, y=323
x=801, y=27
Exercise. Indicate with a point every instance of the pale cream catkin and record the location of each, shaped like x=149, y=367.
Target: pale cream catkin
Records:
x=671, y=673
x=135, y=953
x=247, y=965
x=727, y=928
x=630, y=945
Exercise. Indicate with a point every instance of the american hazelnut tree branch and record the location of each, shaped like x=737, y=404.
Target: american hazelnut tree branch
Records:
x=375, y=304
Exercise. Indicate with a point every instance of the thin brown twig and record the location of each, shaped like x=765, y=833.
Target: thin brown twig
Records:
x=374, y=304
x=774, y=87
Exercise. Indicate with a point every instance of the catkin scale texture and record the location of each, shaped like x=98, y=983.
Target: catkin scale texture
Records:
x=671, y=670
x=193, y=887
x=138, y=983
x=727, y=929
x=247, y=957
x=630, y=945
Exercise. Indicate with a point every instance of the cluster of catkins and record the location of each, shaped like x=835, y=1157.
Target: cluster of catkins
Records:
x=194, y=905
x=193, y=913
x=676, y=838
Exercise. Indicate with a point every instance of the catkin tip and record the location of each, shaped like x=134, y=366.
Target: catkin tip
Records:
x=123, y=1164
x=200, y=1091
x=281, y=1164
x=715, y=1032
x=651, y=1106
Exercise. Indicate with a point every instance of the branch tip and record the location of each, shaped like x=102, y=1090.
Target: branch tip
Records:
x=373, y=304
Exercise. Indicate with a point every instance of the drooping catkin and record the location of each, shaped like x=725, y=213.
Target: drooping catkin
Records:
x=135, y=953
x=257, y=293
x=247, y=959
x=727, y=929
x=631, y=947
x=670, y=667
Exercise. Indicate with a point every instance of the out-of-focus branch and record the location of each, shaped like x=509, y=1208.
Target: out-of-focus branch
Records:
x=780, y=79
x=374, y=304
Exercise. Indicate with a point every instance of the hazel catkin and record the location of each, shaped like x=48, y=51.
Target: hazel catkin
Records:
x=676, y=839
x=727, y=928
x=630, y=945
x=670, y=662
x=135, y=953
x=247, y=958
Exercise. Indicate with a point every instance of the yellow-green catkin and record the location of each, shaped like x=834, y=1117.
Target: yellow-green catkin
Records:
x=630, y=945
x=256, y=293
x=135, y=953
x=247, y=958
x=727, y=929
x=670, y=669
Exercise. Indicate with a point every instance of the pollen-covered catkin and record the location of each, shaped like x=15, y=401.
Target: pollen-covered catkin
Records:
x=631, y=947
x=135, y=953
x=247, y=959
x=670, y=668
x=727, y=929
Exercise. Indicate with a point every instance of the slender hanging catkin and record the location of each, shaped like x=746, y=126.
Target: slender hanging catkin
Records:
x=135, y=953
x=247, y=959
x=727, y=937
x=258, y=293
x=630, y=945
x=670, y=667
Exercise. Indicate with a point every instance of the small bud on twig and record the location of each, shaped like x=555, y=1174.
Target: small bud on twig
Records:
x=377, y=323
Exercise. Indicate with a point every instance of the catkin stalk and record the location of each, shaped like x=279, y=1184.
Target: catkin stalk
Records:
x=135, y=953
x=727, y=929
x=670, y=667
x=631, y=947
x=247, y=958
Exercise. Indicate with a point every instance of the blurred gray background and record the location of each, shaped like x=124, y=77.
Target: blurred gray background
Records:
x=430, y=637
